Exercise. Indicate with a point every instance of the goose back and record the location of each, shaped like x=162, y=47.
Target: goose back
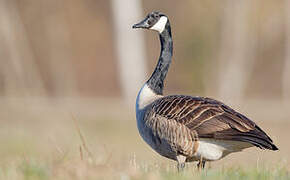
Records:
x=182, y=120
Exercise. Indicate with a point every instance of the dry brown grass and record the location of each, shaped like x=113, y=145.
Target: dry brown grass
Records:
x=39, y=140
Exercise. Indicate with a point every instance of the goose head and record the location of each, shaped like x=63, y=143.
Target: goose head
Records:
x=154, y=21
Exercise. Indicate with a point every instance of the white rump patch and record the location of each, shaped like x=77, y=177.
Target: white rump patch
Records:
x=145, y=97
x=212, y=150
x=160, y=25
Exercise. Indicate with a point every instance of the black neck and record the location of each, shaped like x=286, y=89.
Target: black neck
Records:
x=156, y=81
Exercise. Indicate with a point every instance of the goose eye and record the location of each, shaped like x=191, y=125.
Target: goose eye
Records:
x=150, y=21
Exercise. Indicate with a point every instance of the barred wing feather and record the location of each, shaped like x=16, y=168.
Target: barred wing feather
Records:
x=209, y=118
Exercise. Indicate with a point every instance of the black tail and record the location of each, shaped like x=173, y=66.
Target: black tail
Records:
x=256, y=141
x=267, y=139
x=256, y=137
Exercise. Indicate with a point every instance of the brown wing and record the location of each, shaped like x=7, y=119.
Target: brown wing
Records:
x=212, y=119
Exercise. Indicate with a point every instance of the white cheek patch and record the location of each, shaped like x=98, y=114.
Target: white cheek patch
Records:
x=160, y=25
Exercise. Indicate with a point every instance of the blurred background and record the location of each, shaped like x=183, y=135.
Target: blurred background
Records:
x=62, y=58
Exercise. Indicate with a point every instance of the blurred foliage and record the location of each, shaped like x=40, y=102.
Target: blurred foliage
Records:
x=68, y=47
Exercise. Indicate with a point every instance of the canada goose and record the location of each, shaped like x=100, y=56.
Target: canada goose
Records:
x=186, y=128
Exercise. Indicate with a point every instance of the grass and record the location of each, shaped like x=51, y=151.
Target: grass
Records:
x=84, y=169
x=46, y=143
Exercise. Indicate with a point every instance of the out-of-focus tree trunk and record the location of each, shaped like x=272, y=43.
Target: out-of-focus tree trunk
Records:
x=286, y=70
x=20, y=75
x=129, y=46
x=237, y=51
x=59, y=50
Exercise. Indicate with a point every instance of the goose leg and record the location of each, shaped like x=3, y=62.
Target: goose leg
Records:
x=180, y=162
x=201, y=164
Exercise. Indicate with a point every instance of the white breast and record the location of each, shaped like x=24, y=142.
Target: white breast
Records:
x=145, y=97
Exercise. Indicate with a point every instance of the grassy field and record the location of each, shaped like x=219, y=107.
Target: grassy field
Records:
x=40, y=140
